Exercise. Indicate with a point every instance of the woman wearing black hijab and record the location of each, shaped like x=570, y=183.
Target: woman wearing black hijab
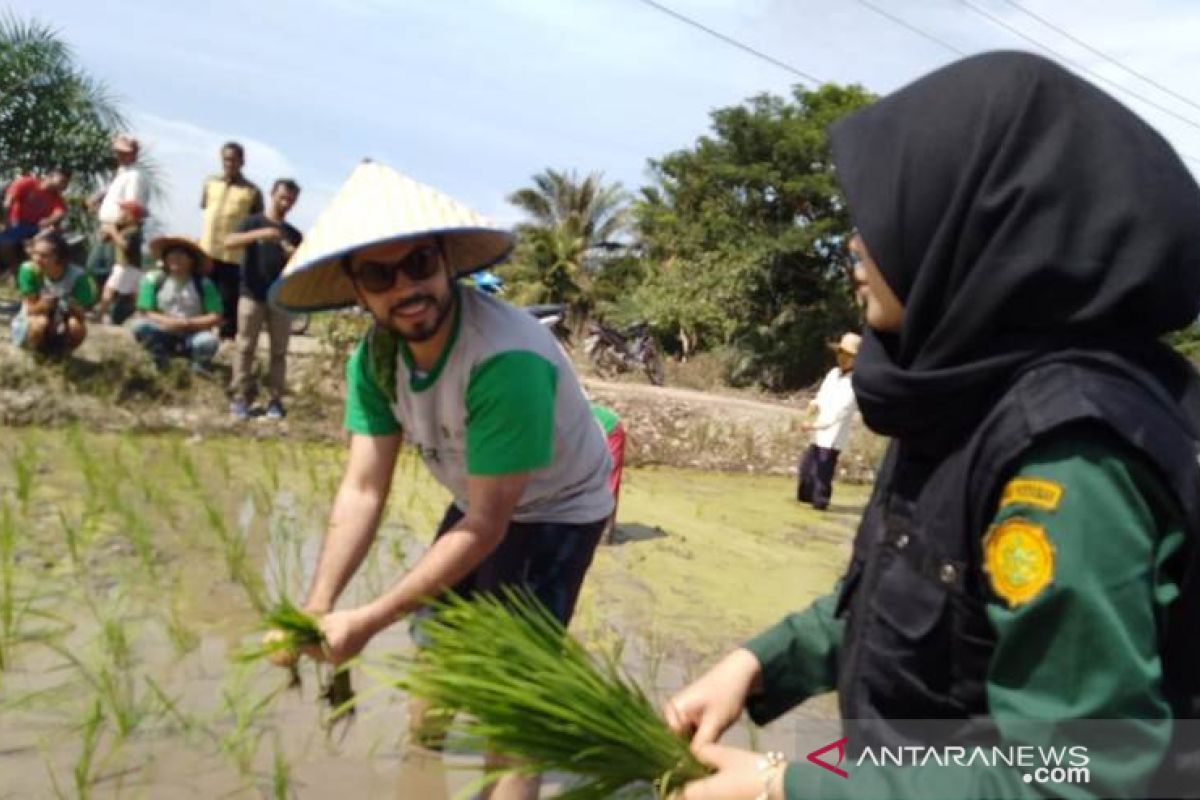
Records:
x=1027, y=563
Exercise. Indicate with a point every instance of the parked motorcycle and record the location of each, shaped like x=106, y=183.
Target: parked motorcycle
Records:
x=553, y=317
x=611, y=351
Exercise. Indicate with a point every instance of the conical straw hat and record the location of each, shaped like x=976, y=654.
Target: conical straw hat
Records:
x=378, y=205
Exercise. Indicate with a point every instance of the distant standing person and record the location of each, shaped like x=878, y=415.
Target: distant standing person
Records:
x=268, y=241
x=125, y=238
x=614, y=436
x=828, y=416
x=127, y=186
x=227, y=199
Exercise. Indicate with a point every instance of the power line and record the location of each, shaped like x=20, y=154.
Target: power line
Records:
x=734, y=42
x=912, y=28
x=997, y=21
x=1102, y=54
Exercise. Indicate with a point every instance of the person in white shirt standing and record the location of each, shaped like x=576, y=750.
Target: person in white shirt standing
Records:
x=128, y=184
x=828, y=417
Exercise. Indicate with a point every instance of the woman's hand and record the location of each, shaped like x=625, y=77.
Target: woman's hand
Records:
x=707, y=707
x=740, y=775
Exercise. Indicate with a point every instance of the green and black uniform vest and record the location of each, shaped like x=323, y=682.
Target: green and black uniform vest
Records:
x=918, y=643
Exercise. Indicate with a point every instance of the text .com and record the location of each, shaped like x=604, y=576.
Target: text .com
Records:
x=1071, y=775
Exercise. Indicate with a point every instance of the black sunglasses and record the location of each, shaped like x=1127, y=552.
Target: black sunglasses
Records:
x=419, y=265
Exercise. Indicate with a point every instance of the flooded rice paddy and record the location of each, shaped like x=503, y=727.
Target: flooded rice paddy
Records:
x=132, y=568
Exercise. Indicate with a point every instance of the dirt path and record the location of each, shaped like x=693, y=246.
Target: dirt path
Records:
x=708, y=399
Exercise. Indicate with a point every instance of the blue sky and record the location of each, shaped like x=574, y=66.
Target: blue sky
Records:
x=474, y=96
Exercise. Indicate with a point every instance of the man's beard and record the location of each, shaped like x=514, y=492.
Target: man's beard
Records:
x=422, y=332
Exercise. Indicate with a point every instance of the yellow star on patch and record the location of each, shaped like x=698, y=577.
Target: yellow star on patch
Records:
x=1019, y=560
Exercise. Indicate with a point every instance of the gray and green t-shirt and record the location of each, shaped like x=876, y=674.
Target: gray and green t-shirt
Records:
x=501, y=400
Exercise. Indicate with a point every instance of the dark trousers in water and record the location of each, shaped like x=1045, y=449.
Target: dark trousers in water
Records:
x=816, y=476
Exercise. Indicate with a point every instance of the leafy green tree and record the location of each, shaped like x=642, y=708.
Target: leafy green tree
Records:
x=744, y=237
x=573, y=231
x=52, y=113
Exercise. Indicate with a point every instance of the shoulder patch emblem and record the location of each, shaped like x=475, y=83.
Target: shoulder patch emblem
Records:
x=1019, y=560
x=1036, y=492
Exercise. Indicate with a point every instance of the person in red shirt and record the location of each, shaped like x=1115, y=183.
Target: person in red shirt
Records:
x=34, y=205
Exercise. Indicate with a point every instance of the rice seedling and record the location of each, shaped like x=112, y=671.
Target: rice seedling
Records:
x=25, y=466
x=241, y=742
x=533, y=692
x=8, y=601
x=170, y=708
x=82, y=773
x=298, y=632
x=183, y=639
x=281, y=774
x=186, y=464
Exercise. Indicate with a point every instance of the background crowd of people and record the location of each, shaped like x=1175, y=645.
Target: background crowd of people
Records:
x=177, y=296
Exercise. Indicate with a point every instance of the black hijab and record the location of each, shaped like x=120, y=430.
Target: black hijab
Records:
x=1016, y=211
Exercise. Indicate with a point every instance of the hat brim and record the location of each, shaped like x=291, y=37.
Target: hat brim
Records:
x=164, y=243
x=837, y=348
x=322, y=284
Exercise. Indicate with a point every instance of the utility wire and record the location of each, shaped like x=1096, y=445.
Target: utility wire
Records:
x=799, y=73
x=913, y=28
x=1018, y=32
x=1116, y=63
x=813, y=80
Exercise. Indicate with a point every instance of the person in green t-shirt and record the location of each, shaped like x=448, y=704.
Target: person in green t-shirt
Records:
x=55, y=296
x=178, y=309
x=614, y=435
x=481, y=392
x=1019, y=615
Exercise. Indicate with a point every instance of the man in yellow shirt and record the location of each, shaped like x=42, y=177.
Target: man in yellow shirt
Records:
x=227, y=199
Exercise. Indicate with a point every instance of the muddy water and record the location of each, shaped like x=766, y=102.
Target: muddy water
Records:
x=129, y=563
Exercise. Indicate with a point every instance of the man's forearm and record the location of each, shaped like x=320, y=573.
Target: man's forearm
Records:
x=451, y=558
x=203, y=323
x=353, y=524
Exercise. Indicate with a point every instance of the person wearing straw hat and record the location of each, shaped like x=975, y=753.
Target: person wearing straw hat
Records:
x=128, y=185
x=178, y=308
x=828, y=417
x=479, y=388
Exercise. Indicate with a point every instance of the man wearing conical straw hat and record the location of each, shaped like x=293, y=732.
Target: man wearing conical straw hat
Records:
x=478, y=387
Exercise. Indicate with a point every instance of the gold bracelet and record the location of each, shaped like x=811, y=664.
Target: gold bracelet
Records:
x=770, y=765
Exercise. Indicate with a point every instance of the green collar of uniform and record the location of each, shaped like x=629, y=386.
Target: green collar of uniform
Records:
x=421, y=384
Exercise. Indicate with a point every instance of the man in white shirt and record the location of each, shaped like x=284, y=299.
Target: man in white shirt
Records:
x=129, y=183
x=828, y=417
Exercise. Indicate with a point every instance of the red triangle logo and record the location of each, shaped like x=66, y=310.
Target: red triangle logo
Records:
x=840, y=746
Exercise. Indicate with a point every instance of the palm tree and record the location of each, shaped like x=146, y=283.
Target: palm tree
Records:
x=571, y=222
x=52, y=113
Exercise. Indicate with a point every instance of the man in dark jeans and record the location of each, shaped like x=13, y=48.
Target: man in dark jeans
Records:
x=485, y=396
x=267, y=242
x=227, y=199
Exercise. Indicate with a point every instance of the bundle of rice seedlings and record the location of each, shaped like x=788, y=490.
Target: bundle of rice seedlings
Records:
x=532, y=692
x=300, y=631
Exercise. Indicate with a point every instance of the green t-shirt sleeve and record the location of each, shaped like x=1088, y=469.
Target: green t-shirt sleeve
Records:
x=510, y=414
x=212, y=298
x=799, y=659
x=84, y=291
x=29, y=280
x=607, y=418
x=147, y=295
x=367, y=408
x=1075, y=566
